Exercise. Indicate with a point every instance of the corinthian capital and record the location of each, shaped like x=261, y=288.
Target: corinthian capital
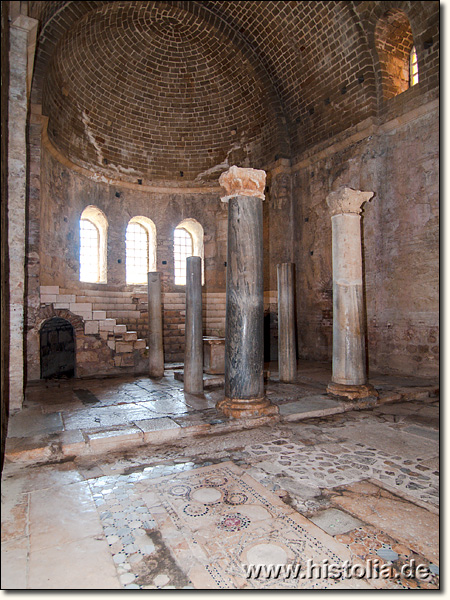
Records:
x=347, y=201
x=243, y=182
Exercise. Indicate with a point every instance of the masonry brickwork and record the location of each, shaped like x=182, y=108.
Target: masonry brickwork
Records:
x=139, y=124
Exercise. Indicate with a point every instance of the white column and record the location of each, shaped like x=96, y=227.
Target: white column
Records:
x=349, y=378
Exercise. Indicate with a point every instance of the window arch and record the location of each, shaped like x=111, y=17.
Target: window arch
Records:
x=394, y=41
x=140, y=244
x=188, y=241
x=93, y=238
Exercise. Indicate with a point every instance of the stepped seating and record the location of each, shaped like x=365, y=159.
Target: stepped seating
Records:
x=100, y=312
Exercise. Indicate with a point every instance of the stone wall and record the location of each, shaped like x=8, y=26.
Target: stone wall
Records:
x=4, y=350
x=60, y=199
x=398, y=160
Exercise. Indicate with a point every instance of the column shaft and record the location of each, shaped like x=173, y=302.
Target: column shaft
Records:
x=244, y=332
x=155, y=328
x=349, y=352
x=287, y=353
x=244, y=327
x=349, y=378
x=193, y=355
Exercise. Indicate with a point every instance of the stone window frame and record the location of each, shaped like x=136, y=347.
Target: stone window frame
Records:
x=195, y=230
x=97, y=217
x=150, y=229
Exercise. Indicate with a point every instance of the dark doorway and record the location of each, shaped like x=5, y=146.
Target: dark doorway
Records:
x=57, y=349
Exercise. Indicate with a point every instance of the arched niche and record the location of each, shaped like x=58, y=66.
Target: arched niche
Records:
x=57, y=348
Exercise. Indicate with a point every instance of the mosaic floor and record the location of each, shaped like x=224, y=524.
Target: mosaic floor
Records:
x=360, y=486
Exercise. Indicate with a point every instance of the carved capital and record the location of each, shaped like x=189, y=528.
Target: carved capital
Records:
x=243, y=182
x=347, y=201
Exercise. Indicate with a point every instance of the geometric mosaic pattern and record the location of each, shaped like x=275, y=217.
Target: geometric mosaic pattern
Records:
x=217, y=519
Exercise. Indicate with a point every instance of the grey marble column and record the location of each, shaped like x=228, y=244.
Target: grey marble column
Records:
x=244, y=329
x=193, y=354
x=349, y=378
x=287, y=352
x=155, y=328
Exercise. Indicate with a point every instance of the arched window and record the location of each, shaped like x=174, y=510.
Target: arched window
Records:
x=187, y=241
x=393, y=42
x=93, y=235
x=140, y=249
x=413, y=67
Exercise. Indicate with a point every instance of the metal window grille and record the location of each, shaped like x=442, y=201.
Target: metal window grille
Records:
x=182, y=248
x=89, y=252
x=136, y=253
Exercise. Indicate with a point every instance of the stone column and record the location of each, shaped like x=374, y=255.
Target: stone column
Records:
x=349, y=377
x=193, y=353
x=21, y=57
x=244, y=328
x=155, y=328
x=287, y=353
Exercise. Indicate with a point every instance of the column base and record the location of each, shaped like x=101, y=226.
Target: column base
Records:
x=238, y=408
x=351, y=392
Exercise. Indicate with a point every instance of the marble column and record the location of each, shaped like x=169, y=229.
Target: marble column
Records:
x=287, y=352
x=193, y=354
x=244, y=328
x=349, y=378
x=155, y=328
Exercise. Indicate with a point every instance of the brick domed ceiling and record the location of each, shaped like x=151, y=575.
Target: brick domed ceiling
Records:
x=146, y=90
x=150, y=90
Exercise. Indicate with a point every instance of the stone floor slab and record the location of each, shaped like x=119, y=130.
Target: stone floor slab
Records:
x=402, y=520
x=61, y=515
x=25, y=425
x=84, y=564
x=334, y=521
x=14, y=564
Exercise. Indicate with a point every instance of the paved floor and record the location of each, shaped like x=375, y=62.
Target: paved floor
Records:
x=146, y=487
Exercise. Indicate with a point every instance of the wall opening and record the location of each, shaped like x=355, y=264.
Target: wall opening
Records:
x=93, y=241
x=57, y=349
x=394, y=44
x=140, y=245
x=188, y=241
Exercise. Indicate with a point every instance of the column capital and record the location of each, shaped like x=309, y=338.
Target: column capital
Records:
x=239, y=181
x=347, y=201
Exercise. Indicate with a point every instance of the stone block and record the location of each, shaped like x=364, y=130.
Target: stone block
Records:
x=99, y=315
x=140, y=345
x=127, y=360
x=86, y=316
x=70, y=298
x=107, y=324
x=60, y=305
x=120, y=329
x=111, y=344
x=124, y=347
x=48, y=298
x=49, y=289
x=104, y=335
x=91, y=327
x=77, y=307
x=130, y=336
